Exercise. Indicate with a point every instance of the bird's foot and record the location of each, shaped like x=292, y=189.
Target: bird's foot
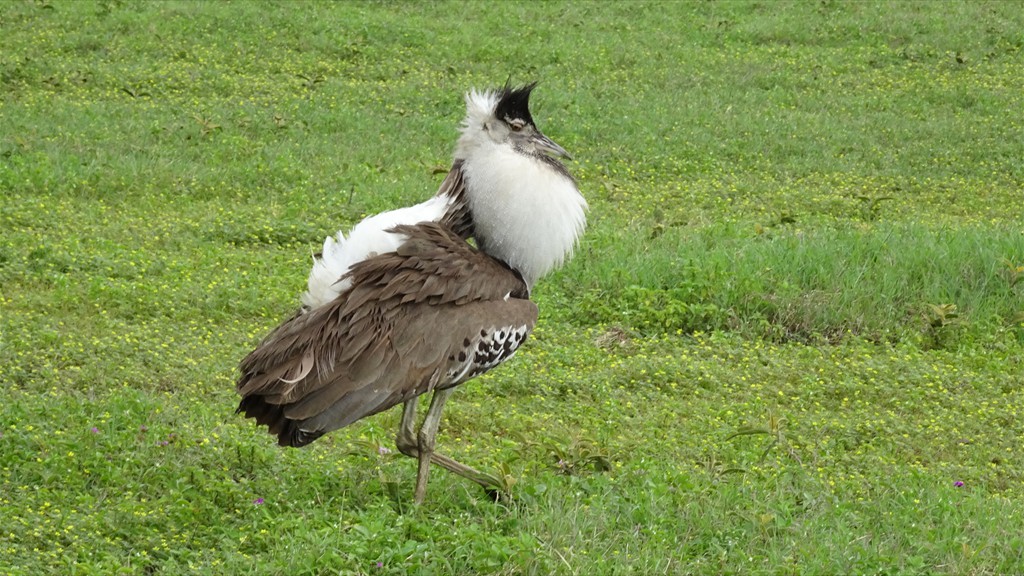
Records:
x=498, y=485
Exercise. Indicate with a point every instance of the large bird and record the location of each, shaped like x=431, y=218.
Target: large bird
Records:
x=406, y=305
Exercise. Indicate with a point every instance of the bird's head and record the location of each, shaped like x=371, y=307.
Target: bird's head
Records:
x=502, y=118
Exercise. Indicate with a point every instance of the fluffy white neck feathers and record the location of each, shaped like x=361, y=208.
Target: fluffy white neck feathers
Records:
x=526, y=209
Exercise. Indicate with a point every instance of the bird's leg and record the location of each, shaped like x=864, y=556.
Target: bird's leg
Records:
x=406, y=440
x=409, y=444
x=427, y=438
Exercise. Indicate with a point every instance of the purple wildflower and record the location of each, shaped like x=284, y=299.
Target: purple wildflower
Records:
x=94, y=430
x=958, y=484
x=383, y=450
x=258, y=501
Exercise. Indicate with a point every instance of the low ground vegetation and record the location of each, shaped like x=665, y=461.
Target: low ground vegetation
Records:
x=792, y=340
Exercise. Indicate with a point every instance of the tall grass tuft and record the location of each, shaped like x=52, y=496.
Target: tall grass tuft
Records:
x=877, y=281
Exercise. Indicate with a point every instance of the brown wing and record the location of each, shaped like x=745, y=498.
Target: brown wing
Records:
x=430, y=315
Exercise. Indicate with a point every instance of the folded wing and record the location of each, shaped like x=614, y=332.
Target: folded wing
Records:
x=431, y=314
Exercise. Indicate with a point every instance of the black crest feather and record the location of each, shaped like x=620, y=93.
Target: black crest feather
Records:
x=514, y=103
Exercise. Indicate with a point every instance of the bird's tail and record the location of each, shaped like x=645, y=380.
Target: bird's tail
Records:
x=272, y=416
x=328, y=267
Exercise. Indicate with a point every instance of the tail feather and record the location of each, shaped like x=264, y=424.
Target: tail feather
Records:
x=288, y=431
x=373, y=235
x=328, y=268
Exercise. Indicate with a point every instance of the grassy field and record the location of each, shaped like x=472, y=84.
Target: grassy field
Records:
x=792, y=341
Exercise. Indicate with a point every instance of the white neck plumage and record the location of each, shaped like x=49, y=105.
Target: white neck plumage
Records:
x=526, y=209
x=525, y=212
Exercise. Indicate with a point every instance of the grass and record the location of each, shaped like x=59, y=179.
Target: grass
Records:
x=785, y=282
x=791, y=341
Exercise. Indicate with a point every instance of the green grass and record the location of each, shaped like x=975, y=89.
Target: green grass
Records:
x=787, y=282
x=791, y=341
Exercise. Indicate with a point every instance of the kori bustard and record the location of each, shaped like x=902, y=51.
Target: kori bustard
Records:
x=405, y=305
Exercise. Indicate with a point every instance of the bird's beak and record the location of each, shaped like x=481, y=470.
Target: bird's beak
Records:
x=548, y=145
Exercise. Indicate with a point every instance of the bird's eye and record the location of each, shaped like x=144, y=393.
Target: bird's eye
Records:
x=516, y=127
